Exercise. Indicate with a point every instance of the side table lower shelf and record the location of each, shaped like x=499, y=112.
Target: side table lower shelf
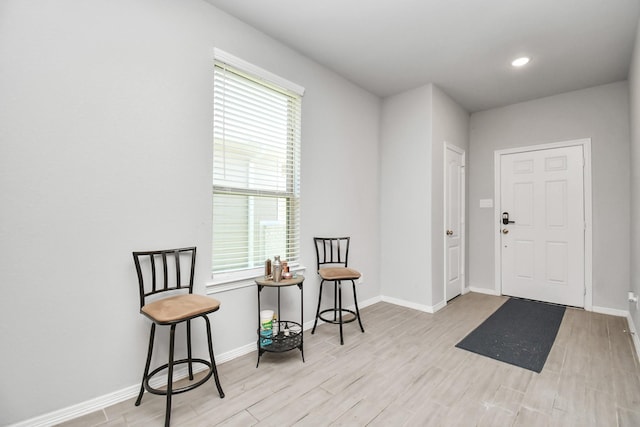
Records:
x=290, y=334
x=282, y=342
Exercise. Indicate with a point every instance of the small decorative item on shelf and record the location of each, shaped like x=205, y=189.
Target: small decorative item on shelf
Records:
x=267, y=268
x=265, y=337
x=287, y=275
x=266, y=319
x=277, y=269
x=275, y=325
x=266, y=327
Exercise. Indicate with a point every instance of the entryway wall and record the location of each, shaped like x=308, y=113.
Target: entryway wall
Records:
x=414, y=126
x=600, y=113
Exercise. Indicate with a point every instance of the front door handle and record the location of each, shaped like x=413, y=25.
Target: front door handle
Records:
x=505, y=219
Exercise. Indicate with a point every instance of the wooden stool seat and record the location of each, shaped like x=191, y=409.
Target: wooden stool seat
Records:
x=179, y=308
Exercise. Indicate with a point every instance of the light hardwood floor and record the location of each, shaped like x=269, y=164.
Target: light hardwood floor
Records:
x=405, y=370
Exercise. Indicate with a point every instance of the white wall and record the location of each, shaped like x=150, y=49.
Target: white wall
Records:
x=405, y=196
x=105, y=148
x=634, y=95
x=450, y=124
x=414, y=126
x=600, y=113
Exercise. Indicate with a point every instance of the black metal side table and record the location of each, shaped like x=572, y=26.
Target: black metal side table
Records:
x=288, y=333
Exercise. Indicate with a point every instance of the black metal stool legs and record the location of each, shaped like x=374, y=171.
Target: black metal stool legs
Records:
x=189, y=350
x=337, y=310
x=355, y=300
x=212, y=358
x=145, y=375
x=339, y=284
x=335, y=300
x=171, y=363
x=315, y=323
x=167, y=415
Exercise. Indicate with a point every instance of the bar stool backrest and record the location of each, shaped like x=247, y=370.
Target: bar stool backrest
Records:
x=164, y=271
x=332, y=251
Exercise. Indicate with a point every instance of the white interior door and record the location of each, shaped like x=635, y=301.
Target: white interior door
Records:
x=454, y=221
x=543, y=249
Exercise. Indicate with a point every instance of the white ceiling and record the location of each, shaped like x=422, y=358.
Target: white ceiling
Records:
x=463, y=46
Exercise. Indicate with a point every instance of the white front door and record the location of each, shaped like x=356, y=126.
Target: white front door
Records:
x=543, y=241
x=454, y=221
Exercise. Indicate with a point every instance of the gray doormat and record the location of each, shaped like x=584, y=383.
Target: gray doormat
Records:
x=521, y=332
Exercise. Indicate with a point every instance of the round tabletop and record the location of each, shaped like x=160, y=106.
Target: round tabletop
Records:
x=283, y=282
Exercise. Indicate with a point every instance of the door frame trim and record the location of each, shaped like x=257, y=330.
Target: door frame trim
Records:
x=463, y=218
x=588, y=232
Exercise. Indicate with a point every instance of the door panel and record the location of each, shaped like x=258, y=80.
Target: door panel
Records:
x=557, y=262
x=524, y=256
x=454, y=222
x=523, y=203
x=543, y=249
x=556, y=198
x=454, y=264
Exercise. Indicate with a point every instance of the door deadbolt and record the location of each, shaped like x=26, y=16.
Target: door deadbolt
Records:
x=449, y=232
x=505, y=231
x=505, y=219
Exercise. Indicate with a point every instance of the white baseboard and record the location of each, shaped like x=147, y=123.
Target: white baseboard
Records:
x=485, y=291
x=610, y=311
x=240, y=351
x=420, y=307
x=71, y=412
x=370, y=301
x=439, y=306
x=89, y=406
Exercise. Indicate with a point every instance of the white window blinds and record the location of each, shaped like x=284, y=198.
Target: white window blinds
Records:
x=256, y=171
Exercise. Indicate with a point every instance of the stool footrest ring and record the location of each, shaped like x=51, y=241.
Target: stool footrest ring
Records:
x=191, y=386
x=350, y=317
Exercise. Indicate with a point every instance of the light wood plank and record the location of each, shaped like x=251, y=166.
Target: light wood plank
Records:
x=406, y=370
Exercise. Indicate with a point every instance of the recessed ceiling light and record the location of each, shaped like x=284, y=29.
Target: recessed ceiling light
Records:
x=519, y=62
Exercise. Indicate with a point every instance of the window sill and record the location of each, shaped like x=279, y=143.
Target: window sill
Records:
x=239, y=282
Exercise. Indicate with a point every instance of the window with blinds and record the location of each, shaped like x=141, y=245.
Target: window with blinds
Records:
x=256, y=172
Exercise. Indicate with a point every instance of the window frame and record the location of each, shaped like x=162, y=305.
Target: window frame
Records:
x=222, y=281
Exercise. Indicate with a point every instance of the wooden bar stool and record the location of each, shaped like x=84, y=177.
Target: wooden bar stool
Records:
x=166, y=301
x=332, y=256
